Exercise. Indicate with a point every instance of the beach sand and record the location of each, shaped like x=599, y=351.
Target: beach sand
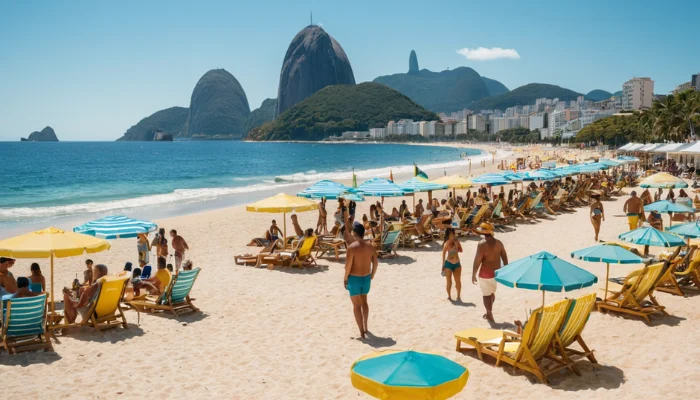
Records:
x=290, y=334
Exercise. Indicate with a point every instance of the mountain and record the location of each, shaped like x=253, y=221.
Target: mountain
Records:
x=218, y=108
x=46, y=135
x=495, y=87
x=445, y=91
x=339, y=108
x=169, y=121
x=524, y=95
x=618, y=93
x=313, y=61
x=259, y=116
x=598, y=95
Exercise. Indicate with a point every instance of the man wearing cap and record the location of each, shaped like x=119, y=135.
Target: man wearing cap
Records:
x=634, y=208
x=8, y=284
x=489, y=254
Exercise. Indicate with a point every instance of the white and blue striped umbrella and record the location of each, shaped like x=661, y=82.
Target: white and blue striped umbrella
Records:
x=417, y=184
x=330, y=190
x=541, y=175
x=382, y=187
x=116, y=227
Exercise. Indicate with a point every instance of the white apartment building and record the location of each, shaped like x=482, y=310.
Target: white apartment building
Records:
x=557, y=120
x=637, y=94
x=378, y=133
x=560, y=106
x=510, y=112
x=355, y=134
x=535, y=122
x=461, y=127
x=426, y=128
x=449, y=129
x=477, y=123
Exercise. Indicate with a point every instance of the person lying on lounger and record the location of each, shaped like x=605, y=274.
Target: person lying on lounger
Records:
x=81, y=306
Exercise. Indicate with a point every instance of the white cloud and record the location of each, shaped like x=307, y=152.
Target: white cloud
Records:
x=484, y=54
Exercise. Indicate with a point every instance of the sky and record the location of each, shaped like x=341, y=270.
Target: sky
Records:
x=92, y=69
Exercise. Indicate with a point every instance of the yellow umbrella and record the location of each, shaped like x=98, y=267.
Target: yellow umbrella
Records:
x=454, y=182
x=282, y=203
x=51, y=242
x=663, y=180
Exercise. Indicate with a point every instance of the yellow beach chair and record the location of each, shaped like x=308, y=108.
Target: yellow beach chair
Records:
x=105, y=310
x=526, y=351
x=629, y=298
x=175, y=299
x=303, y=257
x=691, y=274
x=668, y=282
x=574, y=323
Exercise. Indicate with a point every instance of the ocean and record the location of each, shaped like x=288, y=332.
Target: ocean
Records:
x=45, y=181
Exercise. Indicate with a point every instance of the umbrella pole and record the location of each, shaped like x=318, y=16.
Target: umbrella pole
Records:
x=607, y=275
x=543, y=299
x=53, y=304
x=284, y=227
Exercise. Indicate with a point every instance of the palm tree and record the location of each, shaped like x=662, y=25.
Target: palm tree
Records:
x=674, y=116
x=689, y=106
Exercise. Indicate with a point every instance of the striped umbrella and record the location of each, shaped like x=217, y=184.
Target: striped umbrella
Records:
x=330, y=190
x=663, y=180
x=381, y=187
x=491, y=180
x=540, y=175
x=116, y=227
x=417, y=184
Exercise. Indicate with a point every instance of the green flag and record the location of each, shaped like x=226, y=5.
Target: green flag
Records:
x=417, y=172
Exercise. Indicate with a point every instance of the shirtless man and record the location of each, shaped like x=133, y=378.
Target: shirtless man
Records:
x=297, y=228
x=322, y=224
x=634, y=208
x=179, y=246
x=8, y=284
x=22, y=289
x=81, y=306
x=358, y=276
x=419, y=209
x=274, y=231
x=487, y=260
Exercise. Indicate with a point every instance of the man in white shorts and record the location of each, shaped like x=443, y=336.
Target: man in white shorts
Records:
x=489, y=254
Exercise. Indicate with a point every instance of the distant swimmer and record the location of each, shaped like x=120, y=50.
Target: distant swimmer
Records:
x=489, y=254
x=360, y=266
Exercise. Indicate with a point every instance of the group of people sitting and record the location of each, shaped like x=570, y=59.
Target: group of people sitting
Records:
x=11, y=287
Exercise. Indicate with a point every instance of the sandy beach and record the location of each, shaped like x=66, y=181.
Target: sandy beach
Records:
x=290, y=333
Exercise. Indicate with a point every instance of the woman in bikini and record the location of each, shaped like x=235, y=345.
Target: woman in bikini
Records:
x=597, y=214
x=451, y=268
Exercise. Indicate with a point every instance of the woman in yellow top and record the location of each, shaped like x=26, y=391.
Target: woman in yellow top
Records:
x=163, y=276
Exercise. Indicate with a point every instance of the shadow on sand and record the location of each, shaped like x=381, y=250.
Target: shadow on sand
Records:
x=376, y=341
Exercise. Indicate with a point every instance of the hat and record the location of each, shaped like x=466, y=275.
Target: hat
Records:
x=484, y=229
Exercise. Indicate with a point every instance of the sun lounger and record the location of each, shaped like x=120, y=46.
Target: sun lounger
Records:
x=258, y=242
x=668, y=282
x=630, y=298
x=526, y=351
x=105, y=310
x=301, y=257
x=24, y=325
x=175, y=299
x=387, y=248
x=573, y=325
x=691, y=274
x=252, y=259
x=328, y=245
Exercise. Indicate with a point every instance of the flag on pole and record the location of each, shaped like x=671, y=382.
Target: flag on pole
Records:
x=418, y=172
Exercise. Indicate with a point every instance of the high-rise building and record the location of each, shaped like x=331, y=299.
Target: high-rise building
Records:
x=561, y=106
x=682, y=88
x=557, y=120
x=637, y=94
x=536, y=122
x=477, y=123
x=695, y=82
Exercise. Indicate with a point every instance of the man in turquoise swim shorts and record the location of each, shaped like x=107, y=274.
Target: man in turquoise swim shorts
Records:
x=360, y=266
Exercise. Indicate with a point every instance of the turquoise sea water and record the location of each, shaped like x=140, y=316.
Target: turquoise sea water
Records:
x=49, y=180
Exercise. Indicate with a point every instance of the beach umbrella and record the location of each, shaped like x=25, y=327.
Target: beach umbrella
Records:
x=668, y=207
x=689, y=231
x=454, y=182
x=381, y=187
x=540, y=175
x=329, y=190
x=49, y=243
x=610, y=162
x=663, y=180
x=417, y=184
x=396, y=374
x=546, y=272
x=116, y=227
x=282, y=203
x=608, y=253
x=649, y=236
x=491, y=180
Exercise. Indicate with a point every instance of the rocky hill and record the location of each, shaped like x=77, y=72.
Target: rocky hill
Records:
x=339, y=108
x=218, y=108
x=46, y=135
x=169, y=121
x=259, y=116
x=524, y=95
x=313, y=61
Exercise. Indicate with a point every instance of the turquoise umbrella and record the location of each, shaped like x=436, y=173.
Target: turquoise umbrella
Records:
x=418, y=184
x=609, y=254
x=649, y=236
x=491, y=180
x=116, y=227
x=396, y=374
x=546, y=272
x=382, y=187
x=689, y=230
x=540, y=175
x=330, y=190
x=668, y=207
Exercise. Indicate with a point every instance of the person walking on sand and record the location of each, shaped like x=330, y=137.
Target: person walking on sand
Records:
x=322, y=224
x=633, y=208
x=597, y=214
x=179, y=246
x=451, y=267
x=360, y=267
x=489, y=254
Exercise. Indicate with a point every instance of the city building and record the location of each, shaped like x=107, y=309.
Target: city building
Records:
x=560, y=106
x=477, y=123
x=695, y=82
x=426, y=128
x=535, y=122
x=557, y=120
x=637, y=94
x=378, y=133
x=355, y=135
x=682, y=88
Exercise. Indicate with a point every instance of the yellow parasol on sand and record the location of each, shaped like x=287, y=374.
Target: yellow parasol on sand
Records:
x=454, y=182
x=49, y=243
x=282, y=203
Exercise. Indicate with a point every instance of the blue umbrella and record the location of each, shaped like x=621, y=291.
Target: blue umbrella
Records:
x=609, y=162
x=666, y=207
x=329, y=190
x=540, y=175
x=546, y=272
x=609, y=254
x=649, y=236
x=116, y=227
x=417, y=184
x=689, y=230
x=382, y=187
x=492, y=180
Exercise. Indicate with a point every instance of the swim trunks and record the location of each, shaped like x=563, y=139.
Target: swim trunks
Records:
x=488, y=286
x=359, y=285
x=451, y=266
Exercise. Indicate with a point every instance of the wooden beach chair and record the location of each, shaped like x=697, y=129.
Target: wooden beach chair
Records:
x=252, y=259
x=175, y=299
x=327, y=245
x=668, y=282
x=105, y=310
x=630, y=297
x=302, y=257
x=691, y=274
x=471, y=225
x=24, y=325
x=387, y=248
x=573, y=325
x=526, y=351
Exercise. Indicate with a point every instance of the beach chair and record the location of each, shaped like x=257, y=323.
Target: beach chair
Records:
x=529, y=211
x=387, y=249
x=573, y=325
x=668, y=282
x=105, y=309
x=175, y=299
x=630, y=297
x=471, y=225
x=326, y=245
x=24, y=325
x=252, y=259
x=526, y=351
x=258, y=242
x=302, y=256
x=691, y=274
